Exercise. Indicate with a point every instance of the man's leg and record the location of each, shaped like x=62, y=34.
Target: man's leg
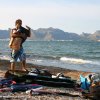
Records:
x=12, y=67
x=23, y=64
x=22, y=58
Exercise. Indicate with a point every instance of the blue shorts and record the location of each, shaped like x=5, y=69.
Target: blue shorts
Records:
x=18, y=55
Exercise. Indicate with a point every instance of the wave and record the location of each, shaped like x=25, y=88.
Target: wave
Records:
x=62, y=40
x=42, y=56
x=7, y=39
x=94, y=52
x=72, y=60
x=75, y=60
x=4, y=57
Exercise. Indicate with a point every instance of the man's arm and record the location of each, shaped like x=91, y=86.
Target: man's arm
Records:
x=18, y=34
x=21, y=35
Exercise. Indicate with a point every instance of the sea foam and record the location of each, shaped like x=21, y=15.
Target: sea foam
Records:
x=75, y=60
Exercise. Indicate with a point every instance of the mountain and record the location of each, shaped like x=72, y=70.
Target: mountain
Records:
x=55, y=34
x=4, y=34
x=94, y=36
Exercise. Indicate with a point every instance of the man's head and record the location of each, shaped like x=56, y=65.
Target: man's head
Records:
x=18, y=23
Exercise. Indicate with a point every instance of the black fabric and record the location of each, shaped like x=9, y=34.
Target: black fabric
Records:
x=24, y=31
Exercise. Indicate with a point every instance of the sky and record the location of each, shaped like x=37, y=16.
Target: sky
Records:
x=68, y=15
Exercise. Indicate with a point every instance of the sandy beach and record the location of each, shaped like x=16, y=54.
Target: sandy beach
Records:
x=5, y=65
x=74, y=74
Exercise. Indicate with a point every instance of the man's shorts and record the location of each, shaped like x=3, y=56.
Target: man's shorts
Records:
x=18, y=55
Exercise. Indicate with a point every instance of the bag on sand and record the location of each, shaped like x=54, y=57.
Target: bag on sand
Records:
x=91, y=83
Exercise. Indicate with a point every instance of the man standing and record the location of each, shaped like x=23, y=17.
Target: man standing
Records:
x=18, y=36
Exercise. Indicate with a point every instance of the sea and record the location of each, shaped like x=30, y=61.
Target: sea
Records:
x=75, y=55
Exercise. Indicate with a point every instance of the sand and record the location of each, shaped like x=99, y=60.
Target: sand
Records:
x=74, y=74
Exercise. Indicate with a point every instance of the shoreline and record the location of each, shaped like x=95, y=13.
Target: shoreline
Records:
x=74, y=74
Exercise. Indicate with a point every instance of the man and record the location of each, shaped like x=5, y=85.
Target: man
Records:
x=18, y=36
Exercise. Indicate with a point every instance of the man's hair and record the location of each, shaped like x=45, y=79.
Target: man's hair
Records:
x=18, y=21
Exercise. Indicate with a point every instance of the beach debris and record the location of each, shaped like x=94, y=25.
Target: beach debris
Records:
x=20, y=87
x=90, y=85
x=6, y=82
x=42, y=77
x=33, y=82
x=49, y=92
x=24, y=87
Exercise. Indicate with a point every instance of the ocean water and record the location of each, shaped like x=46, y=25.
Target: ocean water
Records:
x=76, y=55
